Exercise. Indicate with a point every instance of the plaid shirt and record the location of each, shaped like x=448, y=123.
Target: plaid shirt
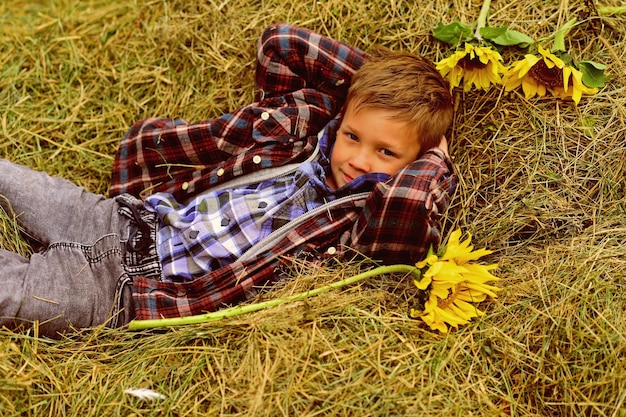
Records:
x=216, y=227
x=303, y=79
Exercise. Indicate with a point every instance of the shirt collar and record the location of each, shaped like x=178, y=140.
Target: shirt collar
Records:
x=364, y=183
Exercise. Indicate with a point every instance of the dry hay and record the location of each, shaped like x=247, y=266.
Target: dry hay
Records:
x=542, y=184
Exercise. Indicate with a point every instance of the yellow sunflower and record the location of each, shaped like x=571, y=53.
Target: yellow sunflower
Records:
x=454, y=309
x=539, y=74
x=453, y=283
x=478, y=66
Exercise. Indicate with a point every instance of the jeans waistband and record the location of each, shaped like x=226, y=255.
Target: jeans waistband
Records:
x=141, y=257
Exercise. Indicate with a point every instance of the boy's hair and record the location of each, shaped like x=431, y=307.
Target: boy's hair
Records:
x=411, y=87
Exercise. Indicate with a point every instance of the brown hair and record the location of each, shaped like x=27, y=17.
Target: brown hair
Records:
x=408, y=85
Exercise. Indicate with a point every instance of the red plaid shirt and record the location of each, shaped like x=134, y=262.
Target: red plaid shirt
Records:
x=303, y=79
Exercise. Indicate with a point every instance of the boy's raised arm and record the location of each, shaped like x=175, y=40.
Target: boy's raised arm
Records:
x=303, y=77
x=291, y=58
x=401, y=218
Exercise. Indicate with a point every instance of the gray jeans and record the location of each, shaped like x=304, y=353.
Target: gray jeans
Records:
x=82, y=277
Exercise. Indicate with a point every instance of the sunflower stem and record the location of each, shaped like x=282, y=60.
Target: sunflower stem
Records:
x=237, y=310
x=611, y=10
x=482, y=19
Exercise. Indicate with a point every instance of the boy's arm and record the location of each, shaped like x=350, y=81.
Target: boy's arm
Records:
x=291, y=58
x=304, y=78
x=400, y=220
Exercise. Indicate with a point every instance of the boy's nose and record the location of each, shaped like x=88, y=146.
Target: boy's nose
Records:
x=361, y=161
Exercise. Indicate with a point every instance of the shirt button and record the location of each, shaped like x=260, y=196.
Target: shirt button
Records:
x=265, y=115
x=256, y=159
x=225, y=222
x=185, y=186
x=220, y=172
x=331, y=251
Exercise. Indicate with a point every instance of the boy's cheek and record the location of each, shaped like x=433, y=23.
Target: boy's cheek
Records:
x=331, y=180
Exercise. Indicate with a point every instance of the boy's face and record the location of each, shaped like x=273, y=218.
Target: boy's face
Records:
x=371, y=140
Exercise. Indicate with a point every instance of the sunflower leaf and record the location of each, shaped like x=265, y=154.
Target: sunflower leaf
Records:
x=492, y=33
x=593, y=73
x=567, y=58
x=559, y=36
x=504, y=36
x=453, y=33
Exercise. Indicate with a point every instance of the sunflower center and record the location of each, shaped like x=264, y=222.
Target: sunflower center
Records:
x=550, y=77
x=443, y=303
x=468, y=63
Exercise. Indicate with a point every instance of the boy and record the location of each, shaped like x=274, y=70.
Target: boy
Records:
x=224, y=201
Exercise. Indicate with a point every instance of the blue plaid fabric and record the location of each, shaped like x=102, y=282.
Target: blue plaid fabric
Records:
x=216, y=227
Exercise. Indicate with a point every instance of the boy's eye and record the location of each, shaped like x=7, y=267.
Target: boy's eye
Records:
x=352, y=137
x=387, y=152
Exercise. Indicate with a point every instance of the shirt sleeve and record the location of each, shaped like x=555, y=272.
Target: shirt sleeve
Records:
x=303, y=77
x=290, y=58
x=400, y=219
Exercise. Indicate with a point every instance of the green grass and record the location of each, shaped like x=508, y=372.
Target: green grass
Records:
x=541, y=183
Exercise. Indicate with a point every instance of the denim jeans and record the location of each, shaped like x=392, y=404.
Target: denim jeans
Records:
x=81, y=276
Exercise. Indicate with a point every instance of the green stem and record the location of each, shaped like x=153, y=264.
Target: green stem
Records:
x=611, y=10
x=242, y=309
x=482, y=19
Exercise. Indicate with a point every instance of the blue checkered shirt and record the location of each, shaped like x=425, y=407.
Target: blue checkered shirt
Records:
x=216, y=227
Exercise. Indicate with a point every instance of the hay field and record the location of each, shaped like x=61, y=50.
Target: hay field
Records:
x=542, y=183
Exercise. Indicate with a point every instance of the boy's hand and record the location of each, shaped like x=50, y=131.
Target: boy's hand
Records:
x=443, y=145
